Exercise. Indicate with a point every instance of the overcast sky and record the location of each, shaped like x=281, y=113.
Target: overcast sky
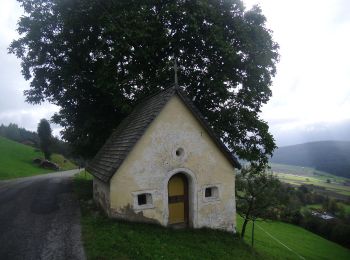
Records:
x=311, y=91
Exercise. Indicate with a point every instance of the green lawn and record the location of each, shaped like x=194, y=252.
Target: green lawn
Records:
x=16, y=160
x=302, y=243
x=111, y=239
x=64, y=164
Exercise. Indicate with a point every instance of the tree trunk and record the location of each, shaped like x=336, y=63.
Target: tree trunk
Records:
x=244, y=226
x=246, y=219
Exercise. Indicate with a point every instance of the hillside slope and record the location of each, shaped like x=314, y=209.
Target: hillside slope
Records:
x=16, y=160
x=328, y=156
x=280, y=240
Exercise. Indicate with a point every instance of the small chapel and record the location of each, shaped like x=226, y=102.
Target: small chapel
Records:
x=164, y=164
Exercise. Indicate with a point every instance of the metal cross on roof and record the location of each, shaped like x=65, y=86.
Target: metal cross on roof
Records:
x=175, y=71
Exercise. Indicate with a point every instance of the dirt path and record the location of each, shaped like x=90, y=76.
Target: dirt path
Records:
x=39, y=218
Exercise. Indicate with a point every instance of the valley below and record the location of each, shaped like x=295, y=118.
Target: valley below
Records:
x=322, y=182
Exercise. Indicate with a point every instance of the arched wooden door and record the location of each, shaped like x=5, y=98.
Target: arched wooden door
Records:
x=178, y=199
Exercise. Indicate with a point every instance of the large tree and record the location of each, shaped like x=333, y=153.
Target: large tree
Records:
x=97, y=58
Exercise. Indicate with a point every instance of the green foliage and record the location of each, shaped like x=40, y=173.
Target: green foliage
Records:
x=16, y=160
x=97, y=59
x=302, y=205
x=346, y=207
x=257, y=194
x=336, y=229
x=83, y=185
x=45, y=136
x=330, y=205
x=18, y=134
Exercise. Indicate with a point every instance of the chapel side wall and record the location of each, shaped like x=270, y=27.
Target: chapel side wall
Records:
x=154, y=156
x=101, y=194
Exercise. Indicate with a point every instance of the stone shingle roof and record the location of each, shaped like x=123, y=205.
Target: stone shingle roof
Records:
x=130, y=130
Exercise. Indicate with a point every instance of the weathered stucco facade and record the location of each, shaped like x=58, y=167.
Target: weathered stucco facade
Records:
x=101, y=194
x=175, y=142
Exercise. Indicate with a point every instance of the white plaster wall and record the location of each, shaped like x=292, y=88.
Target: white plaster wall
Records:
x=153, y=161
x=101, y=194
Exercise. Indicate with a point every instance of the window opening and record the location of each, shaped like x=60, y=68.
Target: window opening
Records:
x=144, y=199
x=208, y=192
x=211, y=192
x=141, y=199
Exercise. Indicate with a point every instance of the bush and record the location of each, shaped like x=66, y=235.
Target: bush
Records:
x=49, y=165
x=341, y=234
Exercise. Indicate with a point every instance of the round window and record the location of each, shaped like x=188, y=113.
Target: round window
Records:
x=179, y=152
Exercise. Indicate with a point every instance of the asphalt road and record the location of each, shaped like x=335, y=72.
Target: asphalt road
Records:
x=39, y=218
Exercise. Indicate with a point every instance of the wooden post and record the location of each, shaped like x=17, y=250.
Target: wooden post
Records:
x=253, y=233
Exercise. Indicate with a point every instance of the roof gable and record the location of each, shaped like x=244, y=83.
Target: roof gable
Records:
x=123, y=139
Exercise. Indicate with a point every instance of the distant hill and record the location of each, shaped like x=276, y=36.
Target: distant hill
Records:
x=328, y=156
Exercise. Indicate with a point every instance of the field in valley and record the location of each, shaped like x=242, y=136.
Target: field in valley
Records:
x=332, y=185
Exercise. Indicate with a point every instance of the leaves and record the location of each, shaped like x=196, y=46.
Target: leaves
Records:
x=45, y=137
x=257, y=192
x=97, y=59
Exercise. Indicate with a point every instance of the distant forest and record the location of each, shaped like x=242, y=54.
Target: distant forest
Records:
x=328, y=156
x=21, y=135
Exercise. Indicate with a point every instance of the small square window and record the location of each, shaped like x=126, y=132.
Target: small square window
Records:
x=208, y=192
x=211, y=193
x=144, y=199
x=141, y=199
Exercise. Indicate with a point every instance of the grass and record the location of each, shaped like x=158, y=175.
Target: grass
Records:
x=314, y=206
x=298, y=180
x=303, y=244
x=309, y=207
x=16, y=160
x=64, y=164
x=305, y=171
x=110, y=239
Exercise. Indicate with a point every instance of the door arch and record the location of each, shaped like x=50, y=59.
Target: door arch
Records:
x=192, y=196
x=178, y=202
